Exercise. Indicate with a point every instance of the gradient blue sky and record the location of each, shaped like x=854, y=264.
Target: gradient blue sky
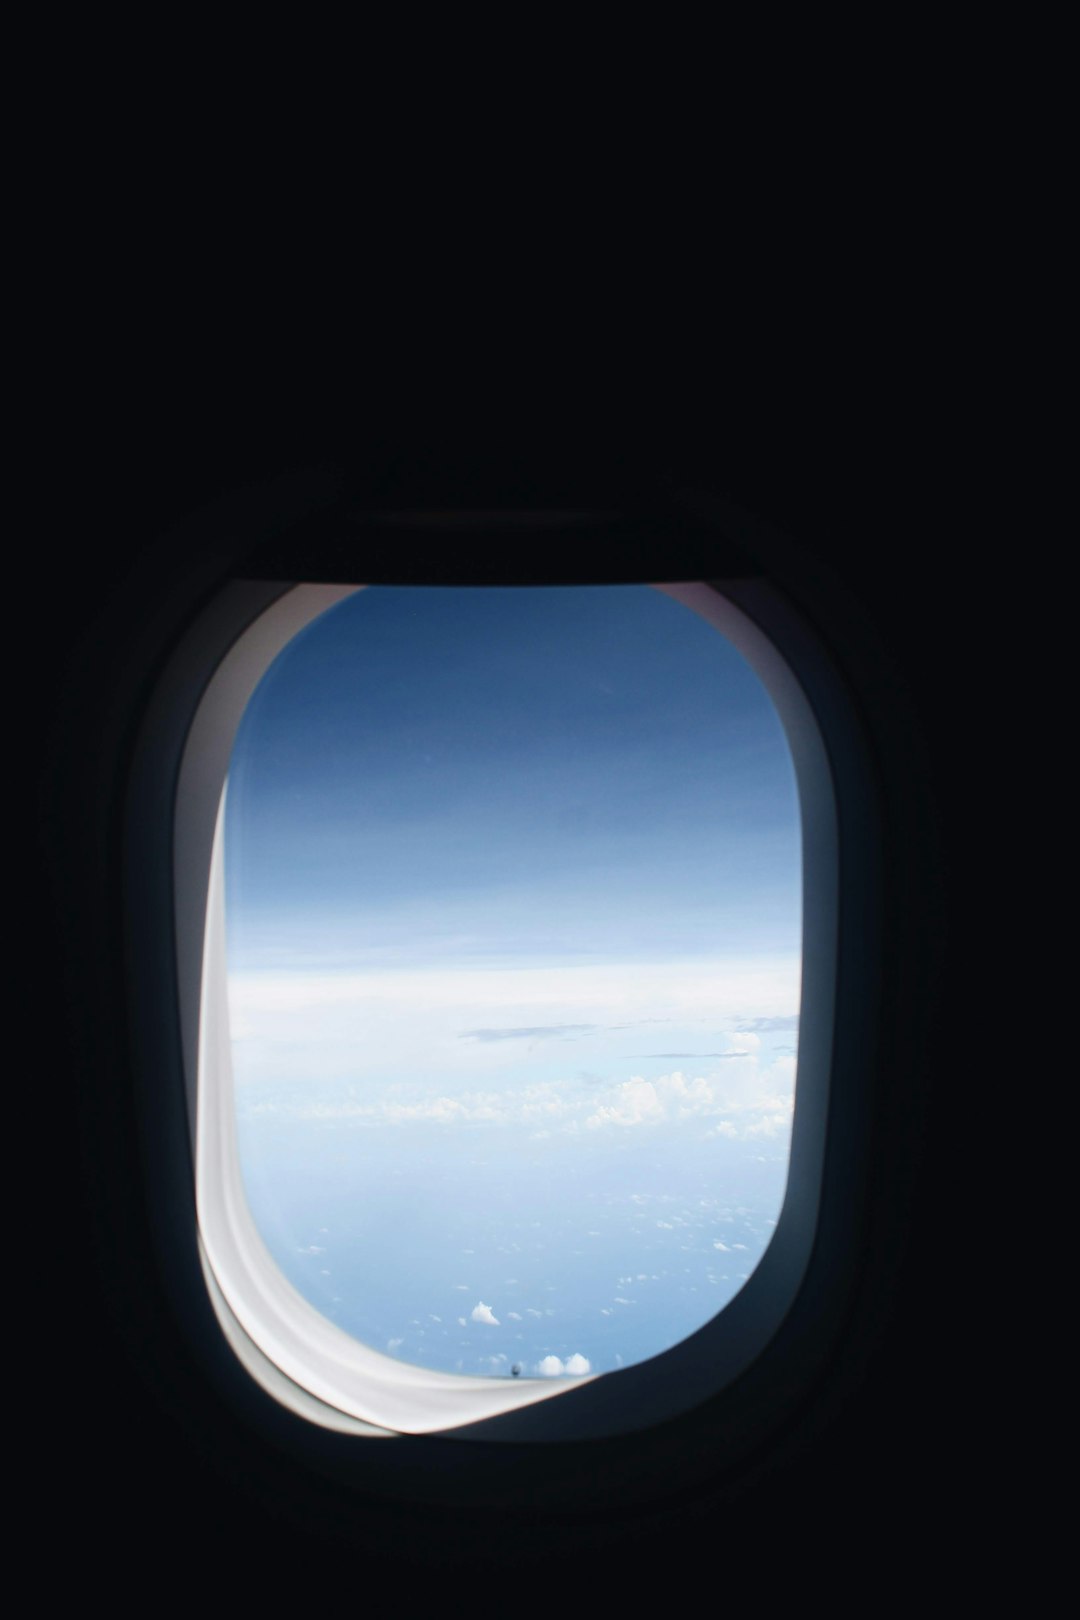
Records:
x=552, y=774
x=522, y=862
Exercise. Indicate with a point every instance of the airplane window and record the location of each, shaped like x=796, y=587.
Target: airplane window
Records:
x=513, y=934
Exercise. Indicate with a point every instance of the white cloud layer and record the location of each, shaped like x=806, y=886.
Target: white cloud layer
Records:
x=393, y=1025
x=740, y=1101
x=361, y=1041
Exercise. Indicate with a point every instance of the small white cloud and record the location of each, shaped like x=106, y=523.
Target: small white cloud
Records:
x=461, y=1321
x=514, y=1316
x=484, y=1313
x=392, y=1344
x=718, y=1245
x=552, y=1367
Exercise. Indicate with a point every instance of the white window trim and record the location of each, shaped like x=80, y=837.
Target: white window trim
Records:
x=301, y=1358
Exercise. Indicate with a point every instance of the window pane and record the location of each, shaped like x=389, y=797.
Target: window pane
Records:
x=513, y=908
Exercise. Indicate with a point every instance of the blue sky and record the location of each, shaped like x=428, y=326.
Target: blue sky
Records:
x=513, y=867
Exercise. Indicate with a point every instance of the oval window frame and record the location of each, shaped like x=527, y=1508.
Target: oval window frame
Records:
x=311, y=1367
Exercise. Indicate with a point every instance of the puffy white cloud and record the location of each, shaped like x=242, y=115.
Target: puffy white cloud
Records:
x=752, y=1101
x=777, y=1122
x=634, y=1101
x=484, y=1313
x=553, y=1367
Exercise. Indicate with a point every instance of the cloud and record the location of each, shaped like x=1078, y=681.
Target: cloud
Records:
x=392, y=1344
x=753, y=1101
x=772, y=1124
x=381, y=1025
x=532, y=1032
x=791, y=1021
x=737, y=1096
x=638, y=1101
x=515, y=1316
x=553, y=1367
x=484, y=1313
x=667, y=1055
